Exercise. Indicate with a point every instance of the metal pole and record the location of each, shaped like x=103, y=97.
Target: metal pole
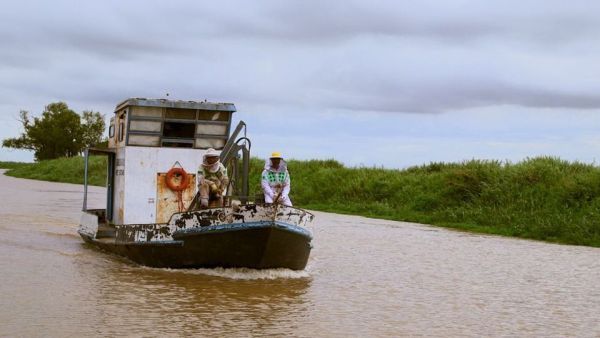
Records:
x=85, y=179
x=245, y=172
x=226, y=153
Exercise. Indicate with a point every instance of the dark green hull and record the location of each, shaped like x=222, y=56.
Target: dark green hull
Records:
x=258, y=245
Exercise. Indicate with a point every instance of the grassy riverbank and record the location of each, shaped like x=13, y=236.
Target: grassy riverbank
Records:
x=13, y=165
x=67, y=170
x=541, y=198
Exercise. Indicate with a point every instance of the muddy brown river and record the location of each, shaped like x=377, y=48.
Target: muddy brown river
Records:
x=365, y=277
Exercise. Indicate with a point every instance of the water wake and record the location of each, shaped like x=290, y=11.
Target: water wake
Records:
x=244, y=273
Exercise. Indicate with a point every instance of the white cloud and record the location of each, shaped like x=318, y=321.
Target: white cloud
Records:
x=475, y=78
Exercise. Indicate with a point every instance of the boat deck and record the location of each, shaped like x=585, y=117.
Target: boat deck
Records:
x=106, y=231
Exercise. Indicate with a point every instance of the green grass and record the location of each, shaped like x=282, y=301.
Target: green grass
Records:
x=13, y=165
x=67, y=170
x=541, y=198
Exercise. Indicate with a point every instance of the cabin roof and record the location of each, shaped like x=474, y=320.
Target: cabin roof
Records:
x=164, y=103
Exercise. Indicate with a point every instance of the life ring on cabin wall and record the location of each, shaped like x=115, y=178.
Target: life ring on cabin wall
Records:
x=183, y=184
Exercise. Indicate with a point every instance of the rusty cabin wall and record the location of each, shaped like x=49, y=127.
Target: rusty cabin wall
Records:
x=141, y=167
x=167, y=200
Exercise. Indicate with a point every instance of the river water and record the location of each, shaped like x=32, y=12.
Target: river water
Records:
x=365, y=277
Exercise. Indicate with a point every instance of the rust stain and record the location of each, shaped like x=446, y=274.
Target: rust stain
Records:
x=166, y=199
x=121, y=210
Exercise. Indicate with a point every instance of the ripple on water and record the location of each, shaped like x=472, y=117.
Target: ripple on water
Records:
x=365, y=278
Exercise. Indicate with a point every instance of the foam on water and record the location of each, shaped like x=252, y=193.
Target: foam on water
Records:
x=243, y=273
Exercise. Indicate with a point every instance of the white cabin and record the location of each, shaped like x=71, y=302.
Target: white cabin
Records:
x=148, y=137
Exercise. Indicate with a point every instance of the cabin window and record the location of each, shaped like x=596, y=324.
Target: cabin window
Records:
x=207, y=115
x=175, y=127
x=151, y=112
x=111, y=131
x=181, y=114
x=121, y=129
x=144, y=140
x=178, y=130
x=122, y=126
x=211, y=129
x=140, y=125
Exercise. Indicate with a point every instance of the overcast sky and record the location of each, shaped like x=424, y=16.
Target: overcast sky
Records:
x=387, y=83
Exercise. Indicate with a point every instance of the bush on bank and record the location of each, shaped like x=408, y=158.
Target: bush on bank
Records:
x=541, y=198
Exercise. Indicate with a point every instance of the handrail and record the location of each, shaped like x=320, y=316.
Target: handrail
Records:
x=85, y=179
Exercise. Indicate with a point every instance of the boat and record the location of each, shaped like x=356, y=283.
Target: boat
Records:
x=152, y=215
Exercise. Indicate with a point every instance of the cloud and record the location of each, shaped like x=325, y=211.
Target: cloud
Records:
x=383, y=56
x=316, y=22
x=438, y=98
x=305, y=60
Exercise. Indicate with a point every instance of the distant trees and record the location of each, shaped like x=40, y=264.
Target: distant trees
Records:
x=59, y=132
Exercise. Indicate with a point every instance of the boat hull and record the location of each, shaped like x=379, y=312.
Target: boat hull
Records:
x=257, y=245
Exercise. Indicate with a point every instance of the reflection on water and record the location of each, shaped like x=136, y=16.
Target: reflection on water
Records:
x=365, y=278
x=171, y=301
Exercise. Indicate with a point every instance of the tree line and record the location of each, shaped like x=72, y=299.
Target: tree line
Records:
x=58, y=132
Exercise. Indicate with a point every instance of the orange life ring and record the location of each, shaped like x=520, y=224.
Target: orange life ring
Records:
x=183, y=184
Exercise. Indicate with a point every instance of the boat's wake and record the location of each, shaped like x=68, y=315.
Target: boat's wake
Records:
x=245, y=273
